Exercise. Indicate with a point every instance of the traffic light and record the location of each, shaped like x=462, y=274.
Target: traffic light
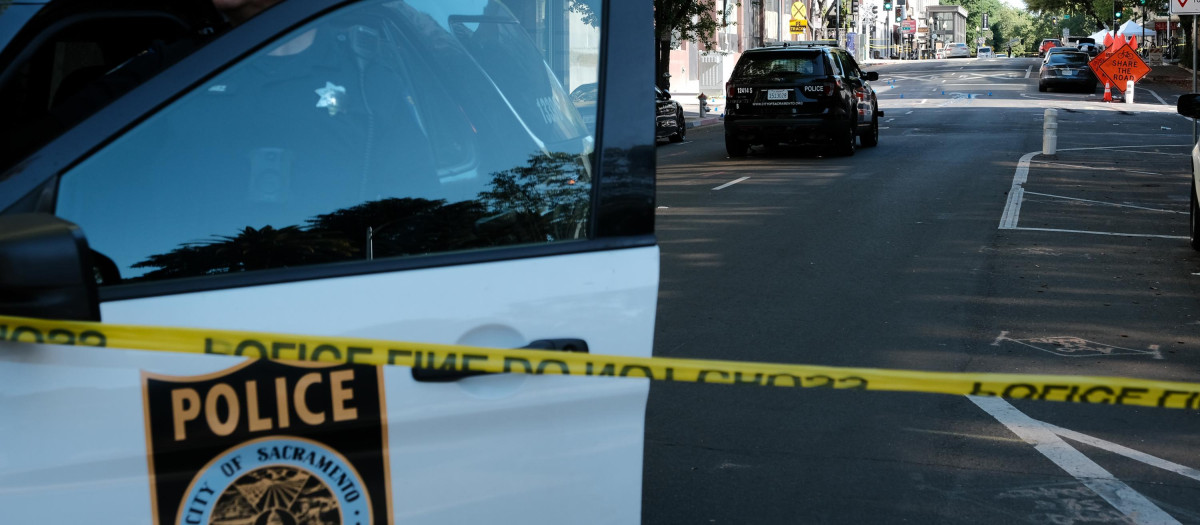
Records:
x=887, y=5
x=1142, y=2
x=985, y=20
x=1117, y=11
x=899, y=17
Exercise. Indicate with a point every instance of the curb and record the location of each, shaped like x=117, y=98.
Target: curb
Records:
x=706, y=121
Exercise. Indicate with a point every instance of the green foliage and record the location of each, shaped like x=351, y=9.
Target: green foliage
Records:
x=690, y=20
x=675, y=20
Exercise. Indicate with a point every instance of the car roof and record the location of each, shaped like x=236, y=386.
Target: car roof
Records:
x=793, y=47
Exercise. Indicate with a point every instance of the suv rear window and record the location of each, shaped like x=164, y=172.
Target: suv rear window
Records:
x=761, y=65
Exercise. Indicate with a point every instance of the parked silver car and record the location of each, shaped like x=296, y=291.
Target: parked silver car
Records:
x=956, y=50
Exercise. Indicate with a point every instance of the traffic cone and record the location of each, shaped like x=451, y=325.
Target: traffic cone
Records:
x=1107, y=92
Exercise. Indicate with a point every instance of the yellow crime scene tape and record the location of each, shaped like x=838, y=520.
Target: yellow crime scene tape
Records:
x=291, y=347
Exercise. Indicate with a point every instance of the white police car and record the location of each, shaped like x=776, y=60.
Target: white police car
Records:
x=405, y=170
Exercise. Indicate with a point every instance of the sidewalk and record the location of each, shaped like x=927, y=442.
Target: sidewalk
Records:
x=691, y=110
x=1172, y=74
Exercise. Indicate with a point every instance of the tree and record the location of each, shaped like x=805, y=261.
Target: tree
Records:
x=676, y=20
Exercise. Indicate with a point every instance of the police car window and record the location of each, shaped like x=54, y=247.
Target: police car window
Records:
x=385, y=129
x=848, y=65
x=835, y=64
x=779, y=64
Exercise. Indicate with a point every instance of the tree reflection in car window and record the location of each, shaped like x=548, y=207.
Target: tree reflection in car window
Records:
x=390, y=129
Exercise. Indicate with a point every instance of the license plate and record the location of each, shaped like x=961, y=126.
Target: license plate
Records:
x=777, y=94
x=1070, y=72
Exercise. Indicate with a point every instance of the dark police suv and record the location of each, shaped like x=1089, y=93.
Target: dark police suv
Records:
x=800, y=92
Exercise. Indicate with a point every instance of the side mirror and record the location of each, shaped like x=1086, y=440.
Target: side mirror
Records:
x=46, y=269
x=871, y=76
x=1189, y=105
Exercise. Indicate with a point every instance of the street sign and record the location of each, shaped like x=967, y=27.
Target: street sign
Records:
x=799, y=10
x=908, y=27
x=1184, y=7
x=799, y=18
x=1121, y=66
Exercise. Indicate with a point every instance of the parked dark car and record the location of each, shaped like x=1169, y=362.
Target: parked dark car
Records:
x=809, y=93
x=669, y=122
x=1068, y=69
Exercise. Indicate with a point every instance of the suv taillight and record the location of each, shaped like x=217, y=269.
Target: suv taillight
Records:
x=728, y=90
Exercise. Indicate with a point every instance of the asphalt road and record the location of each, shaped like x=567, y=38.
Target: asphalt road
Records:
x=912, y=255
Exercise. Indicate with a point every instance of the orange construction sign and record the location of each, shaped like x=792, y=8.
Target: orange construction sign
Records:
x=1119, y=67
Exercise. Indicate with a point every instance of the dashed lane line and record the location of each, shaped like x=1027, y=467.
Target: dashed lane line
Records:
x=730, y=183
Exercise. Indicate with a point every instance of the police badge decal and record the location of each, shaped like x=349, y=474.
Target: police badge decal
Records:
x=268, y=442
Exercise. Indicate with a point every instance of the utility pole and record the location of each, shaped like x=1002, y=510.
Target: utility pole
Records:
x=837, y=33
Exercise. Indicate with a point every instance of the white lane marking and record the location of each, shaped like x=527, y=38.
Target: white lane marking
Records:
x=1008, y=86
x=1103, y=203
x=1110, y=234
x=1027, y=70
x=1012, y=209
x=933, y=88
x=1099, y=168
x=1160, y=99
x=1158, y=152
x=1016, y=193
x=1123, y=498
x=924, y=100
x=909, y=112
x=730, y=183
x=1136, y=455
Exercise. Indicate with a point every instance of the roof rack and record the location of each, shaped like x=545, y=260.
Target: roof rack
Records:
x=802, y=43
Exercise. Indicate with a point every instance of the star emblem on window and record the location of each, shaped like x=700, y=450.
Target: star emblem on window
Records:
x=329, y=96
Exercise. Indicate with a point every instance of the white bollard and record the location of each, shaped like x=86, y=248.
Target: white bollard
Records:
x=1050, y=132
x=1129, y=92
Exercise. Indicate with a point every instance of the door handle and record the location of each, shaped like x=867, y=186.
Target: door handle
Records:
x=445, y=375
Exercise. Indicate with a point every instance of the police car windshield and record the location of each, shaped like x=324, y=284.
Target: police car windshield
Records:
x=783, y=63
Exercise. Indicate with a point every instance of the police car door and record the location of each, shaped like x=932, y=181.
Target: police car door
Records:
x=406, y=170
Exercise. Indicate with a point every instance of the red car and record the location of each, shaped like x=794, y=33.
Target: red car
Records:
x=1048, y=43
